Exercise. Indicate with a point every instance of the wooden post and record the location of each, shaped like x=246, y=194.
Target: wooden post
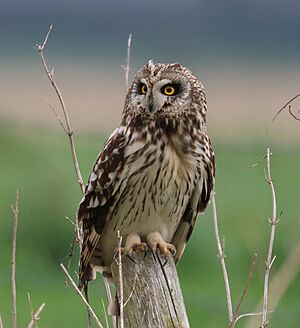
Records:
x=151, y=289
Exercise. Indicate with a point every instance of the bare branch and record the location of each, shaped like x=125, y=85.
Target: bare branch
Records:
x=221, y=256
x=70, y=134
x=69, y=220
x=58, y=118
x=1, y=323
x=253, y=314
x=281, y=281
x=127, y=67
x=15, y=211
x=68, y=129
x=270, y=259
x=36, y=316
x=31, y=307
x=110, y=300
x=121, y=296
x=289, y=107
x=82, y=296
x=41, y=48
x=105, y=314
x=294, y=116
x=259, y=162
x=245, y=290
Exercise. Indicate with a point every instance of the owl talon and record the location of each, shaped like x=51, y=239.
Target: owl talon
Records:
x=155, y=242
x=132, y=248
x=133, y=243
x=167, y=249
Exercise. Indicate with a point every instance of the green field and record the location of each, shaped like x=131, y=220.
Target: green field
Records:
x=39, y=164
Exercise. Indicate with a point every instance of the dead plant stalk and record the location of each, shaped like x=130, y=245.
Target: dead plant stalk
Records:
x=15, y=210
x=270, y=258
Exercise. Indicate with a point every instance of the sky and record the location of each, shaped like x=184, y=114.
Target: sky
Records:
x=246, y=54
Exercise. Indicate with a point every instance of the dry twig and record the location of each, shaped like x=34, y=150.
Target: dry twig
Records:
x=288, y=105
x=82, y=296
x=281, y=281
x=36, y=316
x=236, y=315
x=120, y=296
x=69, y=131
x=270, y=259
x=221, y=256
x=127, y=67
x=105, y=314
x=15, y=211
x=67, y=126
x=251, y=314
x=1, y=323
x=31, y=307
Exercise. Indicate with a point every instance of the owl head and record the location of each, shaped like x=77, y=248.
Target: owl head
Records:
x=164, y=90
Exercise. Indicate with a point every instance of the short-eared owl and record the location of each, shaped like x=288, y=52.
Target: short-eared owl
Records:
x=154, y=174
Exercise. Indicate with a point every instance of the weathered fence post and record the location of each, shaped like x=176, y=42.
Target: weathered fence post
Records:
x=152, y=294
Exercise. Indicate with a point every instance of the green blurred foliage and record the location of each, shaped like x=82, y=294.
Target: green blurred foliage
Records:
x=39, y=164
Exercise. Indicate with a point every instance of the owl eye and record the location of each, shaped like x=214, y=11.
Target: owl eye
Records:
x=141, y=88
x=170, y=89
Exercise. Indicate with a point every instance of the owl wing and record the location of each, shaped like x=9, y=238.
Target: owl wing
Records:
x=98, y=200
x=197, y=204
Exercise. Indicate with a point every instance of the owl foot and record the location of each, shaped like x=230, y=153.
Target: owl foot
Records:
x=133, y=243
x=155, y=242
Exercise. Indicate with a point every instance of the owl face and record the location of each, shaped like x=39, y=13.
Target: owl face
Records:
x=159, y=89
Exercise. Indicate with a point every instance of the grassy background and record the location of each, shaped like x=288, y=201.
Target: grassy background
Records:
x=38, y=162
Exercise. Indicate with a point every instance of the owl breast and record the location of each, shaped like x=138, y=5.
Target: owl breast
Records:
x=154, y=193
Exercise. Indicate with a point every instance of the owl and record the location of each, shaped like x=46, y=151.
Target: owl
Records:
x=154, y=174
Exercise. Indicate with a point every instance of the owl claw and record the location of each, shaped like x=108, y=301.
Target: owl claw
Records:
x=132, y=243
x=132, y=248
x=129, y=251
x=155, y=242
x=167, y=249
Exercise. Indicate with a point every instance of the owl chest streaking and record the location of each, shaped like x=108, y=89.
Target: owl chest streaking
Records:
x=154, y=174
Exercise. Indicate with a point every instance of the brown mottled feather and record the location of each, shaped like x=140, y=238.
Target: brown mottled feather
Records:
x=98, y=200
x=156, y=171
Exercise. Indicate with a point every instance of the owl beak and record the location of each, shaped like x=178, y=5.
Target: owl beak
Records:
x=151, y=103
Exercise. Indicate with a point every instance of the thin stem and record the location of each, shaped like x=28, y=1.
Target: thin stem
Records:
x=36, y=316
x=128, y=61
x=105, y=314
x=121, y=296
x=15, y=211
x=270, y=259
x=245, y=290
x=221, y=256
x=127, y=66
x=1, y=323
x=110, y=300
x=30, y=304
x=253, y=314
x=82, y=296
x=285, y=105
x=68, y=129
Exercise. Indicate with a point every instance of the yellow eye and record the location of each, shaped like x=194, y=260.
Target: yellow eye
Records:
x=169, y=90
x=143, y=89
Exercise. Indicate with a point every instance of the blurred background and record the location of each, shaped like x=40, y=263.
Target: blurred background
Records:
x=246, y=53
